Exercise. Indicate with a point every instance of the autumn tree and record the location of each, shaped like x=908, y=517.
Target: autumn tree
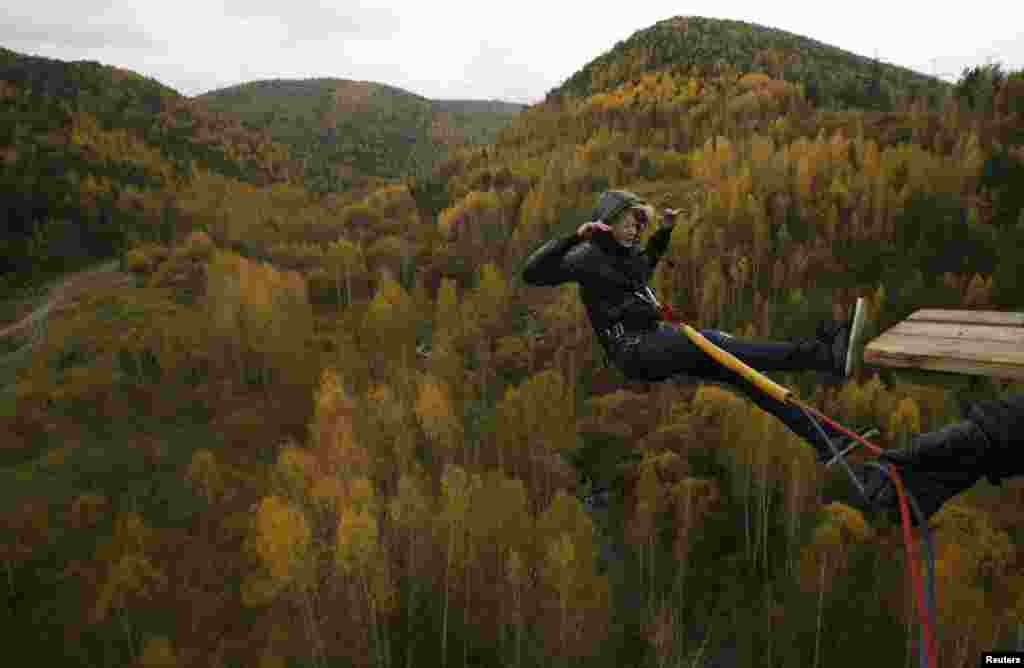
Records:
x=457, y=489
x=344, y=259
x=569, y=571
x=205, y=475
x=410, y=511
x=358, y=554
x=334, y=448
x=970, y=552
x=905, y=420
x=492, y=295
x=158, y=652
x=534, y=421
x=437, y=416
x=280, y=539
x=130, y=575
x=388, y=328
x=446, y=315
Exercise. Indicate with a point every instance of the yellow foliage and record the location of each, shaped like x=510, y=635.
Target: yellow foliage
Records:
x=328, y=493
x=361, y=494
x=761, y=149
x=515, y=568
x=983, y=549
x=271, y=660
x=390, y=321
x=841, y=528
x=387, y=251
x=204, y=474
x=512, y=352
x=199, y=246
x=332, y=429
x=258, y=589
x=711, y=399
x=131, y=535
x=281, y=538
x=648, y=504
x=561, y=558
x=296, y=469
x=158, y=652
x=132, y=577
x=906, y=419
x=87, y=510
x=849, y=521
x=457, y=487
x=805, y=172
x=492, y=294
x=446, y=317
x=547, y=409
x=137, y=261
x=356, y=544
x=694, y=498
x=344, y=256
x=436, y=414
x=411, y=505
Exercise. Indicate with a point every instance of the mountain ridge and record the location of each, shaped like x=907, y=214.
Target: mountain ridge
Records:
x=829, y=73
x=346, y=127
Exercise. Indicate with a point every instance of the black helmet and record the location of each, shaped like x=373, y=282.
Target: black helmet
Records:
x=611, y=203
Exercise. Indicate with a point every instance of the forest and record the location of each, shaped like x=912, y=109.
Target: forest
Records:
x=334, y=428
x=344, y=131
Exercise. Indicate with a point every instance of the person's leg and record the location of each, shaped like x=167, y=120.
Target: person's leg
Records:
x=803, y=355
x=668, y=352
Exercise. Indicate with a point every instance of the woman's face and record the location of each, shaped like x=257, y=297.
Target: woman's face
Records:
x=630, y=226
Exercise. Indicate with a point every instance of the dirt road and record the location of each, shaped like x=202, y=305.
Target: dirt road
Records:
x=70, y=287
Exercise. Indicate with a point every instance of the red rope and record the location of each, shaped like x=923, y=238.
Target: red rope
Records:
x=908, y=535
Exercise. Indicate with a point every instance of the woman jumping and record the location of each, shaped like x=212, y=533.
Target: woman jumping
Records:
x=604, y=256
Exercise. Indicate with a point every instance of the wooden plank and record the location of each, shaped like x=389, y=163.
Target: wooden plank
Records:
x=1002, y=318
x=962, y=332
x=982, y=343
x=955, y=355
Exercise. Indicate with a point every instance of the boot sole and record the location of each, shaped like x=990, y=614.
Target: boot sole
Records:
x=855, y=333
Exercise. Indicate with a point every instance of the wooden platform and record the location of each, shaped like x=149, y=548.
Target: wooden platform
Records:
x=978, y=343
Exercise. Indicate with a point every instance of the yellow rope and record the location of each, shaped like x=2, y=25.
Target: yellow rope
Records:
x=764, y=383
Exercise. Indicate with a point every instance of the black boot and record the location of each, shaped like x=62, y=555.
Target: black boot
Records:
x=813, y=354
x=842, y=339
x=935, y=467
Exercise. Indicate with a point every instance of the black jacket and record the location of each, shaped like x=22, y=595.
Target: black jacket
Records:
x=1002, y=420
x=609, y=276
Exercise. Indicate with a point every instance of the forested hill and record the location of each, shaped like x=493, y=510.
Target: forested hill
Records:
x=343, y=129
x=92, y=156
x=832, y=77
x=42, y=94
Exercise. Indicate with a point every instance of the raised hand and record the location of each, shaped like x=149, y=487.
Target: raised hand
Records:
x=668, y=216
x=586, y=230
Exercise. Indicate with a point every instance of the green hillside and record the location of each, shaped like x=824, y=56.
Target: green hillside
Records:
x=92, y=157
x=832, y=77
x=344, y=129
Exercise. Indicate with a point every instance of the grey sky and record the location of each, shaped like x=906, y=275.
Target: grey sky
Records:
x=514, y=51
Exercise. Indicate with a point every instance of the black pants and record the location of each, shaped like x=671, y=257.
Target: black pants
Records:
x=667, y=352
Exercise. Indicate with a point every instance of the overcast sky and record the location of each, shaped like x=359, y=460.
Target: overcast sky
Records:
x=515, y=51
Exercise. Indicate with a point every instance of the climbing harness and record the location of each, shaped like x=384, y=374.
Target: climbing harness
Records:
x=925, y=603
